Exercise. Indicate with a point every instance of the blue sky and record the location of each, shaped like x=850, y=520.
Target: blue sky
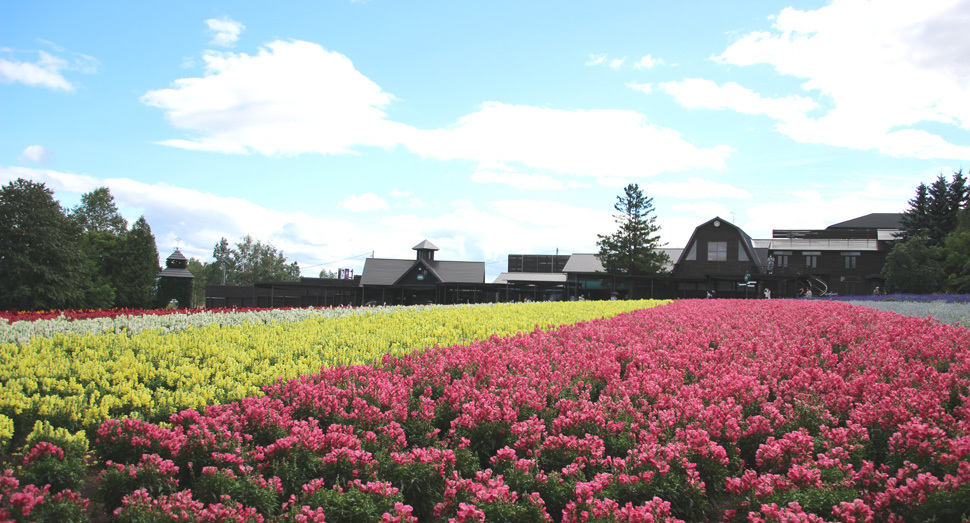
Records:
x=336, y=129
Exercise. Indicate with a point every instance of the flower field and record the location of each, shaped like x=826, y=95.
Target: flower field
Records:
x=21, y=328
x=705, y=410
x=157, y=365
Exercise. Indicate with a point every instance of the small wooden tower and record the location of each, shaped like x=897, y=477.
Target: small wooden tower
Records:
x=175, y=282
x=425, y=250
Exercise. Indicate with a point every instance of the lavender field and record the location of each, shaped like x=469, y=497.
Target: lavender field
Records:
x=952, y=309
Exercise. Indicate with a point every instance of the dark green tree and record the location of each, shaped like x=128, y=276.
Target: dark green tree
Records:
x=914, y=267
x=102, y=251
x=632, y=251
x=252, y=260
x=98, y=212
x=916, y=219
x=40, y=256
x=205, y=274
x=138, y=271
x=956, y=256
x=941, y=218
x=103, y=244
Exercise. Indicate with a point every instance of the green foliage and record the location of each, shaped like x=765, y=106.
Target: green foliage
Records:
x=49, y=260
x=933, y=212
x=178, y=288
x=138, y=268
x=209, y=488
x=956, y=256
x=65, y=508
x=98, y=213
x=41, y=265
x=818, y=501
x=349, y=506
x=201, y=271
x=913, y=267
x=633, y=249
x=60, y=472
x=102, y=252
x=251, y=261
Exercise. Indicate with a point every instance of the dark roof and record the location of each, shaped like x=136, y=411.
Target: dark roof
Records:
x=177, y=255
x=379, y=271
x=590, y=263
x=425, y=246
x=174, y=272
x=458, y=271
x=876, y=220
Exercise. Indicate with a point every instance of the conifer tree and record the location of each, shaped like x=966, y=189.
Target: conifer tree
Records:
x=632, y=250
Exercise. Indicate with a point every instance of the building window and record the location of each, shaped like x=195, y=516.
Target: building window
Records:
x=851, y=258
x=716, y=251
x=781, y=259
x=811, y=259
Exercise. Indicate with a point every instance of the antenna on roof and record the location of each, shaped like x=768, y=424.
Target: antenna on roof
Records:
x=732, y=216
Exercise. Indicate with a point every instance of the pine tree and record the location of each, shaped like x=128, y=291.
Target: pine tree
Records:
x=915, y=220
x=632, y=250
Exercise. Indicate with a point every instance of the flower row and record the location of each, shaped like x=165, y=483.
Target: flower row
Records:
x=134, y=322
x=77, y=382
x=709, y=410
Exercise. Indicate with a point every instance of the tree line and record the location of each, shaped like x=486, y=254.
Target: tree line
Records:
x=933, y=253
x=248, y=262
x=81, y=258
x=88, y=258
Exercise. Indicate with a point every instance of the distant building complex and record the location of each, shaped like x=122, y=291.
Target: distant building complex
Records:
x=845, y=258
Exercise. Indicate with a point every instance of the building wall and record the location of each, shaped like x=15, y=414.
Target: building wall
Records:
x=702, y=266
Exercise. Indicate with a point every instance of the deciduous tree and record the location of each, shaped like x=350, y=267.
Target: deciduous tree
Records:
x=251, y=260
x=139, y=268
x=914, y=267
x=40, y=256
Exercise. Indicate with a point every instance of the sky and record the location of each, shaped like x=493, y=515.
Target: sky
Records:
x=337, y=130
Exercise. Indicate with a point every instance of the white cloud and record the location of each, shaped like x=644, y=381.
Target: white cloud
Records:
x=36, y=154
x=602, y=59
x=291, y=97
x=647, y=62
x=601, y=143
x=45, y=72
x=886, y=67
x=696, y=188
x=296, y=97
x=364, y=203
x=506, y=175
x=696, y=93
x=225, y=31
x=645, y=88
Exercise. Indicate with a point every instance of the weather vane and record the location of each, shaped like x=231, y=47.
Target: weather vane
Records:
x=178, y=242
